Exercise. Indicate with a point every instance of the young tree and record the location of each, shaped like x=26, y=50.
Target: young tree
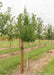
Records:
x=10, y=32
x=45, y=32
x=4, y=17
x=39, y=29
x=49, y=32
x=33, y=23
x=26, y=31
x=18, y=27
x=19, y=30
x=9, y=29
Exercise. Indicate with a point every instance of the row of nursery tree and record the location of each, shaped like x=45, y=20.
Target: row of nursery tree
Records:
x=25, y=27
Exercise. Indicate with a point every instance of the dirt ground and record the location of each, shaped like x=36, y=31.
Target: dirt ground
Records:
x=37, y=65
x=18, y=52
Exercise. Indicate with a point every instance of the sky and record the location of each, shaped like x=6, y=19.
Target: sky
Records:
x=42, y=8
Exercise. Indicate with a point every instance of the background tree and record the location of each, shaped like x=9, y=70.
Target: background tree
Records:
x=4, y=17
x=49, y=32
x=34, y=24
x=39, y=29
x=26, y=31
x=53, y=33
x=9, y=30
x=45, y=32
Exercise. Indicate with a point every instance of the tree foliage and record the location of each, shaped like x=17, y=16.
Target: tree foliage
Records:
x=39, y=27
x=49, y=32
x=26, y=29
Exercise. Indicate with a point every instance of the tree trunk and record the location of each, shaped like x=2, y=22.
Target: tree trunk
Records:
x=19, y=43
x=39, y=42
x=51, y=41
x=10, y=44
x=48, y=40
x=21, y=56
x=27, y=64
x=44, y=42
x=32, y=45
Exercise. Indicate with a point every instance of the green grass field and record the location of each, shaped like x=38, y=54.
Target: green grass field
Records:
x=49, y=68
x=9, y=64
x=17, y=49
x=5, y=44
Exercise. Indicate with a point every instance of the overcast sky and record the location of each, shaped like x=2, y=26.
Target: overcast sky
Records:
x=42, y=8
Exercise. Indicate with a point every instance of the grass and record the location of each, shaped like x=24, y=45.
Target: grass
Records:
x=16, y=43
x=8, y=64
x=8, y=51
x=39, y=52
x=17, y=49
x=7, y=42
x=49, y=68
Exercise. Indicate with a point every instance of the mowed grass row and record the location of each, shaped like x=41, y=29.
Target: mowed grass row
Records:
x=49, y=69
x=9, y=64
x=6, y=44
x=13, y=43
x=17, y=49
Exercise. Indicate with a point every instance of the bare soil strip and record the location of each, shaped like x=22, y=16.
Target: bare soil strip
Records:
x=8, y=48
x=37, y=65
x=18, y=52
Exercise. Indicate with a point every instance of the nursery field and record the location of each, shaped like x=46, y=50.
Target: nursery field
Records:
x=26, y=41
x=10, y=57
